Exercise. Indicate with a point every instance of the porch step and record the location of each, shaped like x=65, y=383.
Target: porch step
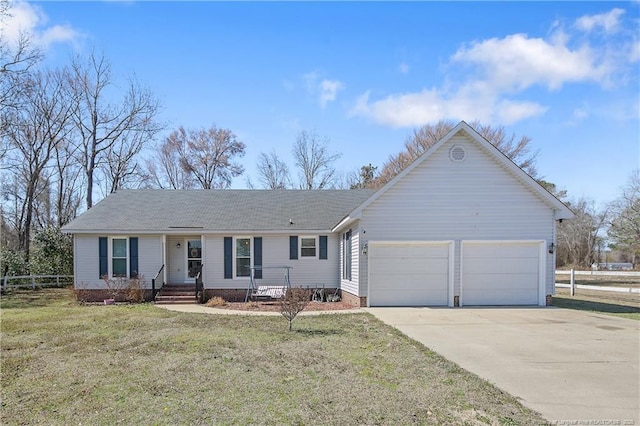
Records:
x=176, y=294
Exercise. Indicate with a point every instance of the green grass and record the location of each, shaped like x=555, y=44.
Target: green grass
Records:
x=137, y=364
x=592, y=304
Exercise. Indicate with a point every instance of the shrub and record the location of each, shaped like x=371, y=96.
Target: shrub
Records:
x=136, y=290
x=216, y=301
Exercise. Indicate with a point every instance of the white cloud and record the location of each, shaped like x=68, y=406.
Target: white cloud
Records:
x=429, y=105
x=517, y=62
x=329, y=91
x=326, y=90
x=28, y=19
x=609, y=22
x=404, y=68
x=493, y=73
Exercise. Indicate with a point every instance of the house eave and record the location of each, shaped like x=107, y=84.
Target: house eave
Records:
x=195, y=231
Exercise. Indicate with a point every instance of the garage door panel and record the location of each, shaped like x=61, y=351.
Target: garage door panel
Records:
x=513, y=297
x=507, y=266
x=415, y=274
x=411, y=265
x=410, y=251
x=501, y=250
x=501, y=281
x=500, y=273
x=423, y=298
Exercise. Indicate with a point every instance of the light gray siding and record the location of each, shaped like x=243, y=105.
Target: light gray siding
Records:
x=474, y=199
x=86, y=260
x=149, y=257
x=275, y=252
x=86, y=263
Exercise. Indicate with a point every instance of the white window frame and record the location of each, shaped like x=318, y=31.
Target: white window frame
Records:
x=110, y=256
x=347, y=267
x=235, y=256
x=317, y=246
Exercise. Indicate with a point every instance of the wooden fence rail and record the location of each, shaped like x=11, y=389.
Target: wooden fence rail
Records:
x=34, y=281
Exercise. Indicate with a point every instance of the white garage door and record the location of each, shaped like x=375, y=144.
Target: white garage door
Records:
x=408, y=274
x=500, y=273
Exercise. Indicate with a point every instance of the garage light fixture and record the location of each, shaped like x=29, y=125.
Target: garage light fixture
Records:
x=552, y=248
x=365, y=249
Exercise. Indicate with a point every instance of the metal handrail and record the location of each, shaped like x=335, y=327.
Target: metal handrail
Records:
x=199, y=285
x=154, y=292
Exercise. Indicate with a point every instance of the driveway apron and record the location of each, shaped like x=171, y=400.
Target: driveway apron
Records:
x=572, y=367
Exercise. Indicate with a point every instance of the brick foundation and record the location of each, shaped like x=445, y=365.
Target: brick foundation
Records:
x=230, y=295
x=353, y=300
x=100, y=295
x=549, y=300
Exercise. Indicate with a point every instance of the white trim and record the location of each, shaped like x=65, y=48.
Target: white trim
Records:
x=542, y=247
x=316, y=238
x=164, y=258
x=187, y=278
x=206, y=232
x=450, y=272
x=110, y=255
x=234, y=256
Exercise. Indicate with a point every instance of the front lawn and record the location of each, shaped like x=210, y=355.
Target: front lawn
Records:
x=137, y=364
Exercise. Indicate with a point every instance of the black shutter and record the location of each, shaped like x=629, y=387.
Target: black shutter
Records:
x=133, y=257
x=293, y=247
x=103, y=248
x=228, y=257
x=257, y=256
x=323, y=247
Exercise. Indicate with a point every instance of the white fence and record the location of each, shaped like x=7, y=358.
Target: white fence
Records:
x=572, y=281
x=600, y=273
x=34, y=281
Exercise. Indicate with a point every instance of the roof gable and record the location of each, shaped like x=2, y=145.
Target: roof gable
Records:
x=561, y=211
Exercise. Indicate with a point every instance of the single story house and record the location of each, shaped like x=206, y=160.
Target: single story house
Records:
x=462, y=225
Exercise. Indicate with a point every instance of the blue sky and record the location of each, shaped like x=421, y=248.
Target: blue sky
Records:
x=363, y=74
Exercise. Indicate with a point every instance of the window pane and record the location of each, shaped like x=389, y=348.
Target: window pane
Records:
x=119, y=267
x=242, y=267
x=119, y=247
x=308, y=242
x=194, y=249
x=243, y=247
x=307, y=247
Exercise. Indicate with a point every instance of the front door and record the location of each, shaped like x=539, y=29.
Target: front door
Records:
x=194, y=258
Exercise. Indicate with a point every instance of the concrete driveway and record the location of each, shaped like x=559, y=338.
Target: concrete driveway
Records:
x=573, y=367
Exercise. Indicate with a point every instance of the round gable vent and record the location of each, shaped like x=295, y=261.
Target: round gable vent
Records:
x=457, y=153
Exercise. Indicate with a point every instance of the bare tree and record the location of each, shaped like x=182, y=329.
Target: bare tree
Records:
x=314, y=161
x=100, y=125
x=204, y=158
x=273, y=173
x=36, y=128
x=293, y=302
x=578, y=238
x=120, y=168
x=17, y=58
x=423, y=138
x=624, y=230
x=164, y=169
x=68, y=174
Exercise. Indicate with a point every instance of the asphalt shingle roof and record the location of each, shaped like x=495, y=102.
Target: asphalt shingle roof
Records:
x=219, y=210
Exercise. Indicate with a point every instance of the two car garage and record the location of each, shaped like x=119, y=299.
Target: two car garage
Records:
x=489, y=273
